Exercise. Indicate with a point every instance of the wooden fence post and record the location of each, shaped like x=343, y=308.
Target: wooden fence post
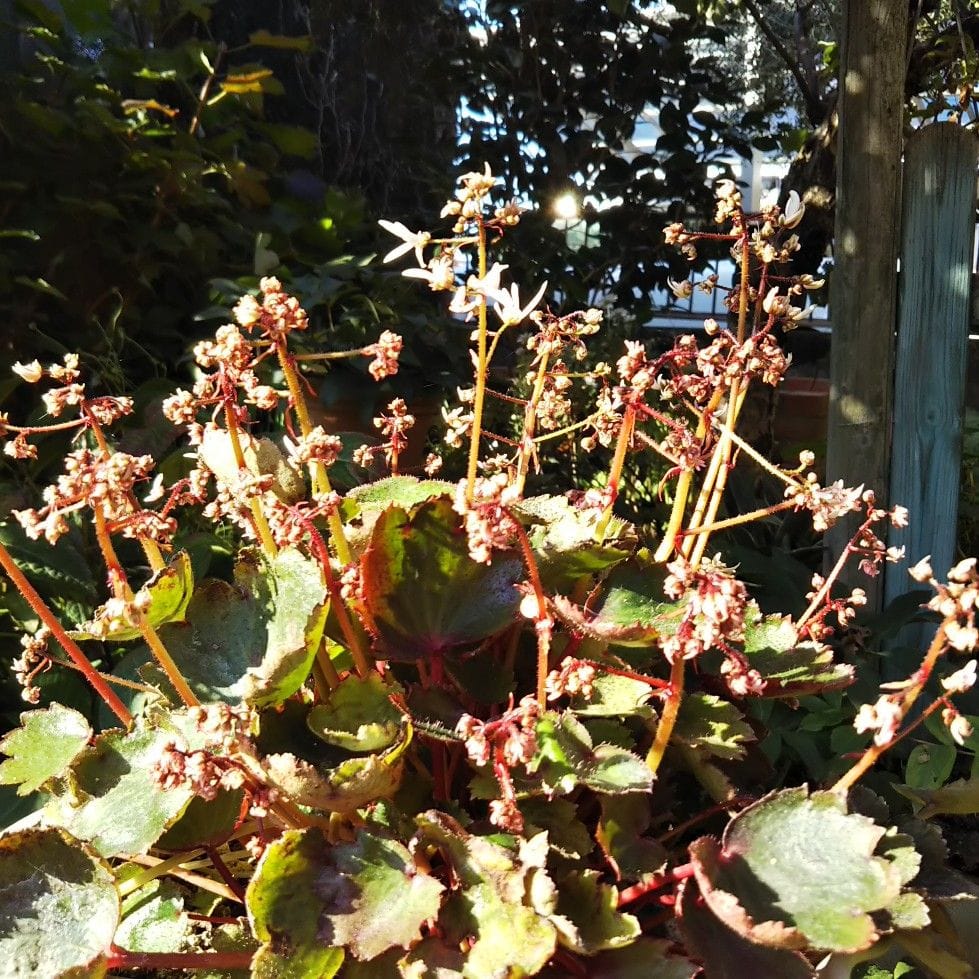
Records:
x=937, y=233
x=864, y=281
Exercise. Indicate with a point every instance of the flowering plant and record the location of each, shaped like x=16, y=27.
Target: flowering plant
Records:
x=458, y=729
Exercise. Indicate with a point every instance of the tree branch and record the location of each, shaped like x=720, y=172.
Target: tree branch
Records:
x=814, y=106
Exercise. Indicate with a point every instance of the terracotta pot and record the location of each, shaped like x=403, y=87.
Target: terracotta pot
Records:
x=801, y=410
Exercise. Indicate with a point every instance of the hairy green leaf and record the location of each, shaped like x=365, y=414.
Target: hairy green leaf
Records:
x=308, y=897
x=712, y=724
x=60, y=906
x=359, y=715
x=566, y=757
x=795, y=870
x=42, y=747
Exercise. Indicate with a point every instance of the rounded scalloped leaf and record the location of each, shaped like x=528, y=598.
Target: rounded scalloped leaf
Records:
x=402, y=491
x=566, y=542
x=566, y=757
x=359, y=715
x=591, y=909
x=630, y=610
x=790, y=667
x=423, y=592
x=113, y=799
x=795, y=870
x=59, y=906
x=727, y=954
x=44, y=745
x=308, y=897
x=164, y=598
x=255, y=642
x=343, y=788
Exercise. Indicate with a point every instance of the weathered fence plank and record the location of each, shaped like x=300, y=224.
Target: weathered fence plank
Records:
x=938, y=228
x=864, y=288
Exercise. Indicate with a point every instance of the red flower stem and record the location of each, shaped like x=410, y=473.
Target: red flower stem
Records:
x=482, y=364
x=615, y=470
x=222, y=868
x=732, y=803
x=667, y=719
x=544, y=623
x=121, y=589
x=873, y=753
x=637, y=891
x=119, y=958
x=68, y=644
x=351, y=635
x=651, y=681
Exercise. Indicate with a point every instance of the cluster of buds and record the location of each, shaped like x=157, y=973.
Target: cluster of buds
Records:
x=507, y=741
x=278, y=314
x=575, y=678
x=32, y=661
x=956, y=601
x=489, y=524
x=394, y=426
x=715, y=608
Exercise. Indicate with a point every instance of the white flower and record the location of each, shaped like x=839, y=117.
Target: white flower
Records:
x=794, y=209
x=32, y=372
x=961, y=637
x=508, y=308
x=439, y=275
x=961, y=572
x=682, y=290
x=899, y=516
x=922, y=570
x=416, y=240
x=961, y=680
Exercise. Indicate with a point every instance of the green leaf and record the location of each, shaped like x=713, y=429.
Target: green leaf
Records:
x=647, y=958
x=615, y=696
x=929, y=765
x=308, y=897
x=255, y=642
x=42, y=747
x=621, y=835
x=164, y=598
x=795, y=870
x=422, y=591
x=505, y=901
x=565, y=539
x=726, y=954
x=154, y=920
x=712, y=724
x=263, y=39
x=113, y=799
x=790, y=668
x=591, y=909
x=205, y=822
x=60, y=571
x=566, y=757
x=339, y=783
x=630, y=611
x=959, y=798
x=359, y=715
x=60, y=906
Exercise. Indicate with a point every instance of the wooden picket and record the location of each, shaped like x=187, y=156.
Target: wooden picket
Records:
x=938, y=227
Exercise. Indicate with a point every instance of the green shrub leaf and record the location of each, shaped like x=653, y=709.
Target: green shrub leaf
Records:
x=359, y=715
x=591, y=909
x=790, y=668
x=254, y=642
x=113, y=799
x=164, y=598
x=505, y=899
x=712, y=724
x=727, y=954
